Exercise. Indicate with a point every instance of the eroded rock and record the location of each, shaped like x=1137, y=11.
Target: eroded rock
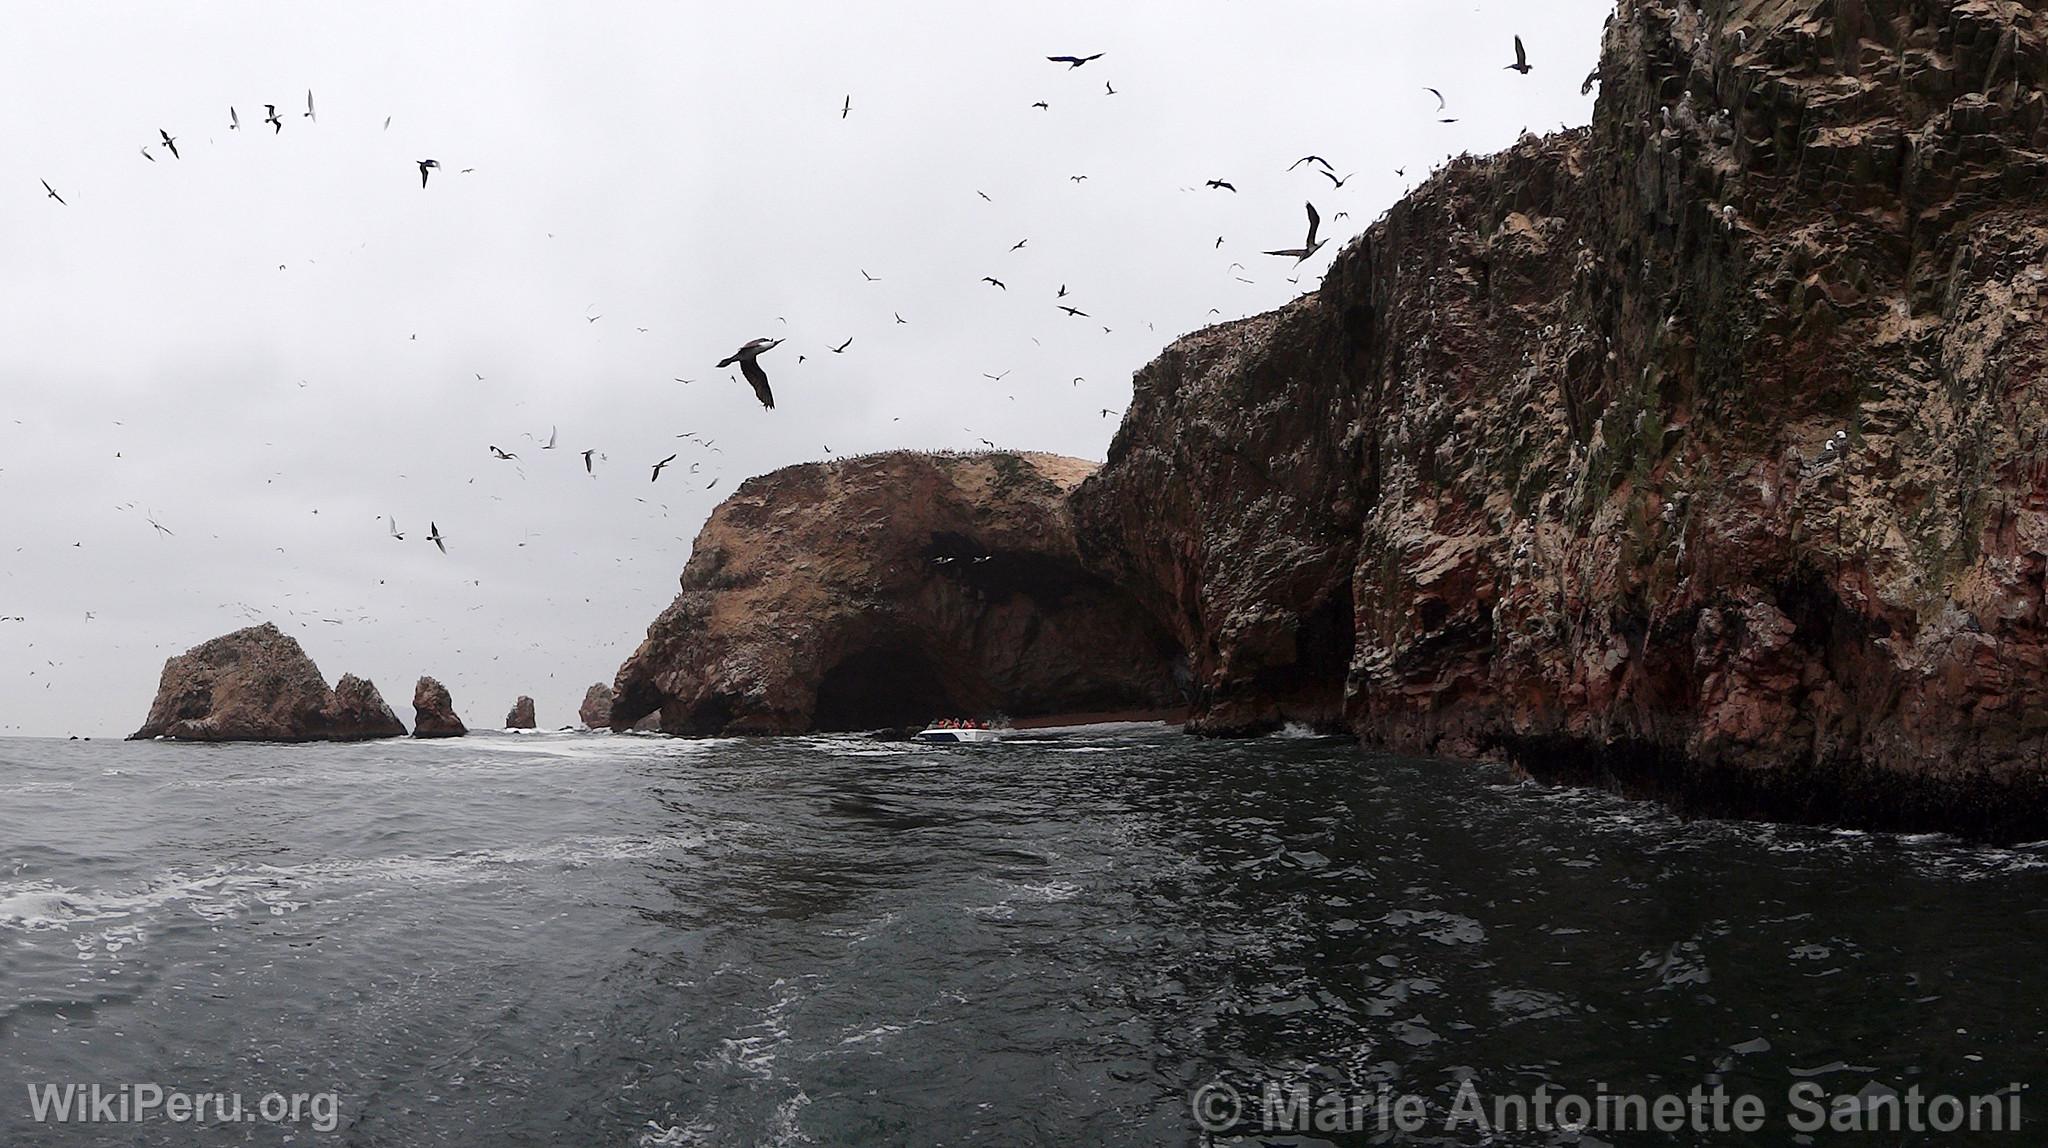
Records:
x=434, y=711
x=257, y=684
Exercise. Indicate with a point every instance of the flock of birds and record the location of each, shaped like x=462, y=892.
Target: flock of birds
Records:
x=747, y=358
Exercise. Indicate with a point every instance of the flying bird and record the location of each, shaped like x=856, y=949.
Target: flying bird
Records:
x=1332, y=176
x=847, y=106
x=146, y=155
x=550, y=444
x=1310, y=159
x=503, y=456
x=899, y=317
x=395, y=531
x=983, y=194
x=234, y=121
x=1311, y=244
x=1073, y=62
x=994, y=280
x=1038, y=104
x=1224, y=185
x=1073, y=311
x=309, y=106
x=586, y=463
x=864, y=274
x=1592, y=77
x=170, y=143
x=841, y=348
x=1439, y=98
x=426, y=164
x=659, y=465
x=1107, y=90
x=1076, y=178
x=52, y=193
x=1521, y=63
x=748, y=357
x=270, y=117
x=1061, y=293
x=434, y=536
x=1019, y=245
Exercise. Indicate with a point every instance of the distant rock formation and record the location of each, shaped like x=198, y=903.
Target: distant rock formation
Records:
x=521, y=716
x=433, y=711
x=888, y=590
x=257, y=684
x=358, y=706
x=596, y=710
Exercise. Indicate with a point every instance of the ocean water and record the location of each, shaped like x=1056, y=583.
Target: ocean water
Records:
x=589, y=939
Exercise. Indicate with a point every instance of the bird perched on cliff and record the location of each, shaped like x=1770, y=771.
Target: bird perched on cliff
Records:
x=52, y=193
x=1309, y=246
x=270, y=117
x=659, y=465
x=425, y=165
x=1223, y=185
x=169, y=143
x=1521, y=63
x=1073, y=62
x=748, y=357
x=434, y=536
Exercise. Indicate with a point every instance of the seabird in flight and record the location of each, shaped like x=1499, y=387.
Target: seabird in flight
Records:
x=52, y=193
x=170, y=143
x=841, y=348
x=1073, y=62
x=748, y=357
x=1310, y=245
x=994, y=280
x=309, y=106
x=234, y=121
x=1521, y=63
x=659, y=465
x=426, y=164
x=586, y=463
x=270, y=117
x=1310, y=159
x=434, y=536
x=1224, y=185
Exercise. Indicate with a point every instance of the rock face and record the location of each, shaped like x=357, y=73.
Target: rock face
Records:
x=887, y=590
x=258, y=685
x=521, y=715
x=596, y=710
x=433, y=711
x=1698, y=453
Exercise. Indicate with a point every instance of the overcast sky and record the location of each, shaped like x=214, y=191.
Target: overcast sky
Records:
x=274, y=341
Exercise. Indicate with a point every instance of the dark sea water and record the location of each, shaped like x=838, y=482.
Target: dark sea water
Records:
x=587, y=939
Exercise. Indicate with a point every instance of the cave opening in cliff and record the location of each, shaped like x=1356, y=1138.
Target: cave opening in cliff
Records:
x=881, y=688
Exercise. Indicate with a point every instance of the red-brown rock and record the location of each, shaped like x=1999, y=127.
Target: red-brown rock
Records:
x=433, y=711
x=521, y=715
x=887, y=590
x=257, y=684
x=596, y=710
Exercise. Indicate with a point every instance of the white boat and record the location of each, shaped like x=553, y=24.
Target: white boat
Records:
x=946, y=735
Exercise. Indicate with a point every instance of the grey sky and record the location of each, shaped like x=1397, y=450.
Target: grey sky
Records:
x=679, y=167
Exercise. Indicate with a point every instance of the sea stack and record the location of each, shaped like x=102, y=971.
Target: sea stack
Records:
x=596, y=710
x=433, y=711
x=521, y=716
x=257, y=684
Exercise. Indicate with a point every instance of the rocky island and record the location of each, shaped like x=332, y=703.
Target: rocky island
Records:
x=257, y=684
x=1689, y=454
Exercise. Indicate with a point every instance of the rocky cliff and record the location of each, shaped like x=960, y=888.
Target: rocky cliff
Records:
x=888, y=590
x=1698, y=453
x=520, y=716
x=257, y=684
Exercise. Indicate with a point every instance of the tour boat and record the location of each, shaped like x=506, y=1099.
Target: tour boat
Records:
x=954, y=735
